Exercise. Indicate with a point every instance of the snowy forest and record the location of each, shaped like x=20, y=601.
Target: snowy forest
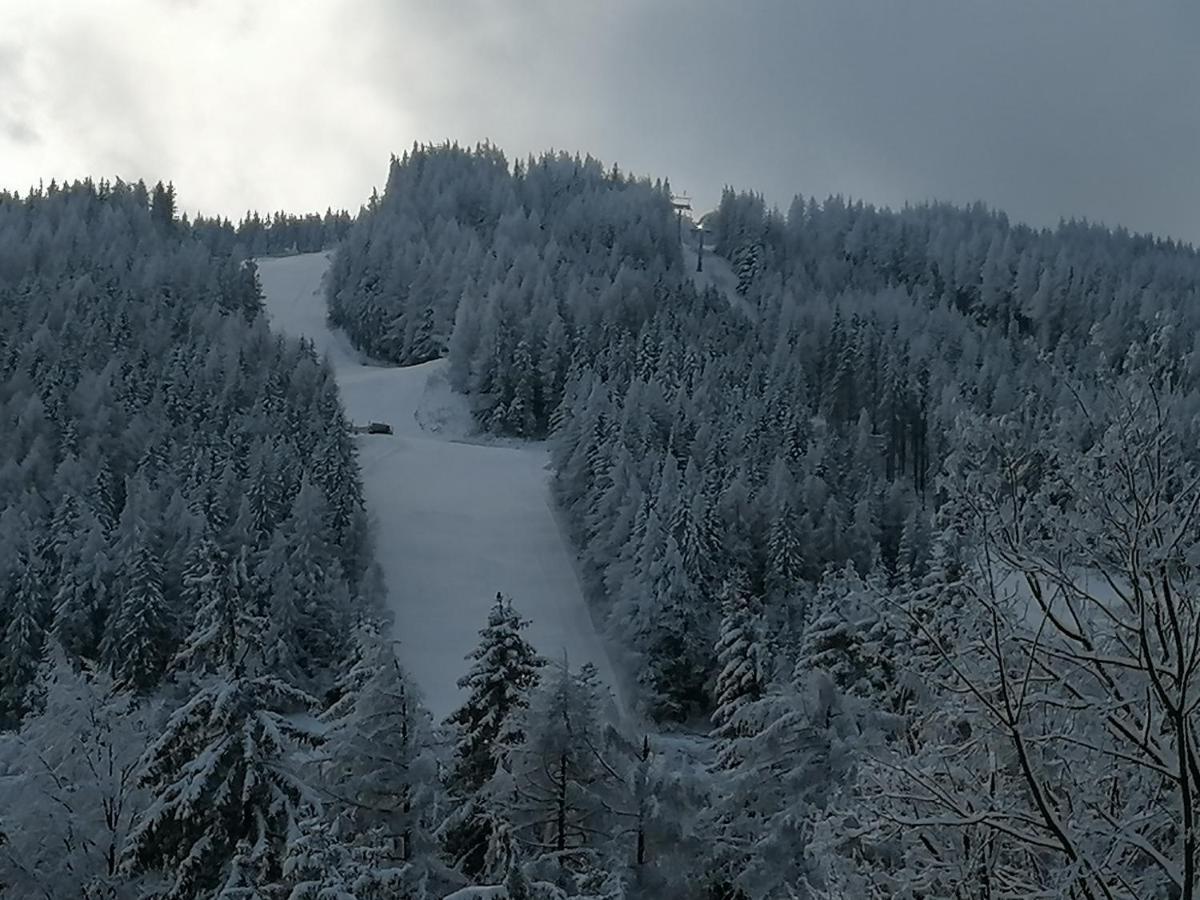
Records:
x=888, y=516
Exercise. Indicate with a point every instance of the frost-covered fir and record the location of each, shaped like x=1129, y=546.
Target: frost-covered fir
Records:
x=23, y=639
x=378, y=760
x=325, y=860
x=222, y=774
x=504, y=670
x=558, y=787
x=797, y=747
x=741, y=655
x=135, y=426
x=851, y=636
x=505, y=667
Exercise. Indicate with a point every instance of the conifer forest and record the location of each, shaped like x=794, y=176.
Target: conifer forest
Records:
x=858, y=546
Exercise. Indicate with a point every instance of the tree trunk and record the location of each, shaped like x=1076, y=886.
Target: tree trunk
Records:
x=560, y=841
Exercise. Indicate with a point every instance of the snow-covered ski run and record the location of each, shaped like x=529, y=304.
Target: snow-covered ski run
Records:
x=454, y=521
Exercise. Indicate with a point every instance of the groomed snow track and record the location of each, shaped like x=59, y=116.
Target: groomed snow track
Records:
x=454, y=521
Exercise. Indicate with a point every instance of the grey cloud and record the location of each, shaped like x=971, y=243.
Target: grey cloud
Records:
x=1075, y=107
x=1045, y=109
x=16, y=124
x=108, y=106
x=1049, y=110
x=17, y=130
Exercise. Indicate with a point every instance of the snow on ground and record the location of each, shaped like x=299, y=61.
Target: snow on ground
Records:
x=716, y=273
x=492, y=892
x=455, y=521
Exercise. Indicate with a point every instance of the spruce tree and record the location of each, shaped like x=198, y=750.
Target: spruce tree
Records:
x=315, y=576
x=504, y=670
x=785, y=552
x=557, y=788
x=224, y=795
x=213, y=591
x=933, y=609
x=326, y=860
x=742, y=667
x=22, y=640
x=677, y=638
x=141, y=637
x=851, y=636
x=379, y=760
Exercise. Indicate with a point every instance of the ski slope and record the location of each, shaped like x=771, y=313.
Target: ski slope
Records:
x=454, y=521
x=716, y=273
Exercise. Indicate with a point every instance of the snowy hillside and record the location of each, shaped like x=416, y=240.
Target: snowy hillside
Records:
x=455, y=522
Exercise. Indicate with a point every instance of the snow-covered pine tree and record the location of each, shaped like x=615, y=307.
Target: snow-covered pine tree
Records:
x=693, y=527
x=677, y=637
x=141, y=637
x=221, y=772
x=325, y=860
x=378, y=760
x=226, y=610
x=852, y=635
x=785, y=552
x=524, y=413
x=23, y=639
x=935, y=608
x=743, y=670
x=557, y=787
x=265, y=490
x=504, y=670
x=283, y=649
x=798, y=747
x=304, y=579
x=82, y=597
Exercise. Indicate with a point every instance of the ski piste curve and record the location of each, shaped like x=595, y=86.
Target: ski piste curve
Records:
x=453, y=521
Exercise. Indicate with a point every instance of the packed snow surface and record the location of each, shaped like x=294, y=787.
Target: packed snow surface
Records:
x=715, y=273
x=456, y=519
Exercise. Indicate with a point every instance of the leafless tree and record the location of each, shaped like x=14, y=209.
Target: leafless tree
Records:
x=1060, y=757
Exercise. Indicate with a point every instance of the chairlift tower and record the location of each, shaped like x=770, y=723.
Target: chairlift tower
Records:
x=680, y=202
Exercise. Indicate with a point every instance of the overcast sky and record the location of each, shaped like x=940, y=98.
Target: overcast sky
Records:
x=1045, y=108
